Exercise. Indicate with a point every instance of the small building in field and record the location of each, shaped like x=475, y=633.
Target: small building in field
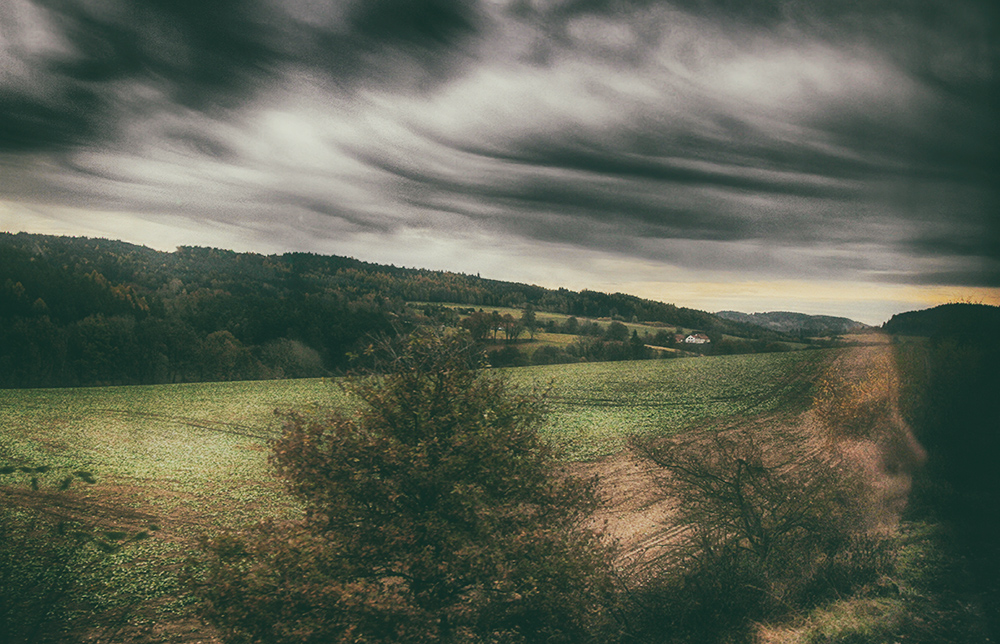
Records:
x=697, y=338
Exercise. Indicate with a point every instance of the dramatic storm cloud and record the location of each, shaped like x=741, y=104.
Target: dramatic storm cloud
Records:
x=837, y=157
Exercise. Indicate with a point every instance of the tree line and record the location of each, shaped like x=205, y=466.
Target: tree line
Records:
x=80, y=311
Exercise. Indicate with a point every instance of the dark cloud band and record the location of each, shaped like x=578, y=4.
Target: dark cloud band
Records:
x=638, y=127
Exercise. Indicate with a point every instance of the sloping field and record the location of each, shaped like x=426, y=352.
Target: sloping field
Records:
x=177, y=461
x=196, y=451
x=597, y=406
x=170, y=462
x=199, y=450
x=844, y=405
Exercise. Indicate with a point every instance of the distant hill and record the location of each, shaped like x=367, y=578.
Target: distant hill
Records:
x=795, y=323
x=77, y=311
x=977, y=320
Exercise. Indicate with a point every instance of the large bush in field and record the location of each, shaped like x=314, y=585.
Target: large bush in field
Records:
x=433, y=513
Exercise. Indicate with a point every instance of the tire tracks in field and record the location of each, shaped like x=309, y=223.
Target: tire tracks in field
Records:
x=76, y=507
x=220, y=427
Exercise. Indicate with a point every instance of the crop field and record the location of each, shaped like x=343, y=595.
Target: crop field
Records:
x=596, y=407
x=559, y=318
x=167, y=450
x=177, y=461
x=205, y=445
x=171, y=462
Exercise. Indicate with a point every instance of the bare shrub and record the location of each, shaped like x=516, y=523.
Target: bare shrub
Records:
x=769, y=523
x=855, y=402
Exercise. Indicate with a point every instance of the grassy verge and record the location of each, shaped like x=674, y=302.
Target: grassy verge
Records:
x=925, y=599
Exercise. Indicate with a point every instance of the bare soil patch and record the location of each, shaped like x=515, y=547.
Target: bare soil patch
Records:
x=634, y=509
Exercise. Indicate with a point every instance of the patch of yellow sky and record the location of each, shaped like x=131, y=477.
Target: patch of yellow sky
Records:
x=872, y=303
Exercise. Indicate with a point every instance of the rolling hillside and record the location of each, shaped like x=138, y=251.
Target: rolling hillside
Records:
x=78, y=312
x=796, y=323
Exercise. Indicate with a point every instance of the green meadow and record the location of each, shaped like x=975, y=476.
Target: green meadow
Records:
x=199, y=451
x=179, y=461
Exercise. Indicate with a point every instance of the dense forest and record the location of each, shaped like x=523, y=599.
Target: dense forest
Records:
x=951, y=376
x=957, y=320
x=82, y=311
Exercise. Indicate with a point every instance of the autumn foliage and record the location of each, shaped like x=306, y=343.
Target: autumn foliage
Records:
x=433, y=513
x=854, y=405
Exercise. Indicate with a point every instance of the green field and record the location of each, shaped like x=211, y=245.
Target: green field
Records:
x=183, y=460
x=205, y=444
x=202, y=446
x=597, y=406
x=560, y=318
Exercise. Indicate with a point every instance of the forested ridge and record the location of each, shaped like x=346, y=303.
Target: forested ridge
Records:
x=81, y=311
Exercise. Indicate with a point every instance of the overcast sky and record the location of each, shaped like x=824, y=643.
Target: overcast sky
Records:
x=838, y=157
